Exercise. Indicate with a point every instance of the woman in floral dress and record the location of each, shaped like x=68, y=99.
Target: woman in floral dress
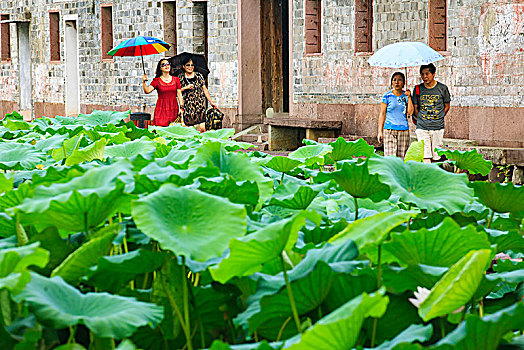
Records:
x=195, y=94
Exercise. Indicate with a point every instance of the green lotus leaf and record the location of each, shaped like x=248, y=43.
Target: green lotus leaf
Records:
x=50, y=240
x=77, y=264
x=484, y=333
x=355, y=179
x=441, y=246
x=14, y=262
x=58, y=305
x=341, y=328
x=242, y=192
x=15, y=125
x=349, y=284
x=237, y=165
x=68, y=146
x=401, y=279
x=311, y=280
x=311, y=154
x=502, y=198
x=292, y=195
x=415, y=152
x=101, y=117
x=400, y=314
x=129, y=149
x=80, y=204
x=343, y=149
x=19, y=156
x=222, y=134
x=281, y=164
x=415, y=332
x=263, y=345
x=178, y=158
x=372, y=229
x=457, y=286
x=471, y=160
x=153, y=176
x=181, y=221
x=6, y=184
x=176, y=131
x=322, y=233
x=13, y=116
x=50, y=143
x=425, y=185
x=247, y=254
x=118, y=138
x=112, y=272
x=87, y=154
x=512, y=240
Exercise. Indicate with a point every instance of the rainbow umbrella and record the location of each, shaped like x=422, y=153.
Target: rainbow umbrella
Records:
x=140, y=46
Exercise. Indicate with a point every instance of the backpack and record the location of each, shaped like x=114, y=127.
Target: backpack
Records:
x=417, y=93
x=214, y=119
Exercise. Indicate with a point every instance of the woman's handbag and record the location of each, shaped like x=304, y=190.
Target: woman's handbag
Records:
x=214, y=119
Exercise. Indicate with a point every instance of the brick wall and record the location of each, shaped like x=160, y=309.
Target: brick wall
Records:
x=485, y=42
x=116, y=83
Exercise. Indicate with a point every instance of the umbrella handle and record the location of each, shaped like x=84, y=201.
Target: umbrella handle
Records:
x=142, y=56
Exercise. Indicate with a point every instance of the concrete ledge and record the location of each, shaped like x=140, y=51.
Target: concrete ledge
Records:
x=304, y=123
x=498, y=155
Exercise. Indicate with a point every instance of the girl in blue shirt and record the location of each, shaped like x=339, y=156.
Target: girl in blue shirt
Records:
x=393, y=126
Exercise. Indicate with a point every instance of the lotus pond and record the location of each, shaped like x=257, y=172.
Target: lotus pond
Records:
x=119, y=237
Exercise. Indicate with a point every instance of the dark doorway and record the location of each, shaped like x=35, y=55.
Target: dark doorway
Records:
x=275, y=54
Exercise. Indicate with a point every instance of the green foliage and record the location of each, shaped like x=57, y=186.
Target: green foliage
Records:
x=175, y=239
x=502, y=198
x=422, y=184
x=471, y=161
x=415, y=152
x=57, y=304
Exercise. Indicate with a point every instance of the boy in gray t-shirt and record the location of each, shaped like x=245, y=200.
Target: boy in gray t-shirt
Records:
x=431, y=101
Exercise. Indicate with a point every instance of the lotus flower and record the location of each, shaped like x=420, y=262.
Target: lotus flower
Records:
x=421, y=294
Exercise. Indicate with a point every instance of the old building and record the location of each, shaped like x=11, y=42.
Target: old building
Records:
x=305, y=58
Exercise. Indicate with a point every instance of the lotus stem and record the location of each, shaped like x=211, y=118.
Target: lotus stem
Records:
x=279, y=336
x=374, y=332
x=379, y=267
x=71, y=339
x=86, y=227
x=356, y=207
x=282, y=178
x=78, y=141
x=481, y=308
x=5, y=304
x=186, y=301
x=290, y=295
x=173, y=304
x=442, y=330
x=490, y=219
x=199, y=319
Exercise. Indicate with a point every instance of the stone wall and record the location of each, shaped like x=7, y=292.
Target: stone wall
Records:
x=115, y=83
x=484, y=66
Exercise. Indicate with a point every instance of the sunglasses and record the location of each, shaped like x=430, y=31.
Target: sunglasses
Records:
x=165, y=65
x=189, y=65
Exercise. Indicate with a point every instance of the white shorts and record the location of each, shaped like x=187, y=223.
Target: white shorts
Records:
x=432, y=139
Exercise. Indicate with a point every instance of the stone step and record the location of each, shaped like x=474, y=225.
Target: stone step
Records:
x=258, y=146
x=258, y=138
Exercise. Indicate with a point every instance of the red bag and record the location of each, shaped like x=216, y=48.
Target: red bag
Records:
x=417, y=93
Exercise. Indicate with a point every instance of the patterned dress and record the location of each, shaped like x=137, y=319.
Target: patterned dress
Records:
x=166, y=110
x=195, y=102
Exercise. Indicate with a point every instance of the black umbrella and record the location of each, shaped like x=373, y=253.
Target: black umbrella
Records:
x=199, y=61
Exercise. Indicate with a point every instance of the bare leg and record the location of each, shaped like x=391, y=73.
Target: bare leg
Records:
x=427, y=160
